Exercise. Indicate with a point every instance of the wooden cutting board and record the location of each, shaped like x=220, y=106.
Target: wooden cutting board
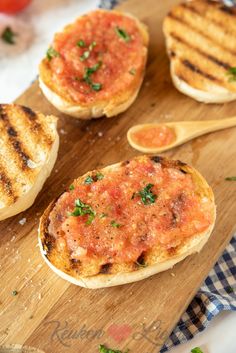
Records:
x=55, y=316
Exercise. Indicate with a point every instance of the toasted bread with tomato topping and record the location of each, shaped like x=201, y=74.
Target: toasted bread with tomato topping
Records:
x=127, y=222
x=201, y=41
x=96, y=65
x=29, y=145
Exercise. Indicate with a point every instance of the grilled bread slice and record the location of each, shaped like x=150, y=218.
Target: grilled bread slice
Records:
x=201, y=43
x=127, y=222
x=96, y=65
x=28, y=150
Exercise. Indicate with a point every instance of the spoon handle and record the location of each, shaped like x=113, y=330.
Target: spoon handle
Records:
x=191, y=129
x=214, y=125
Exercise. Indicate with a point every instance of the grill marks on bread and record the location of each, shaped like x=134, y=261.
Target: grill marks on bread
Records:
x=202, y=35
x=12, y=138
x=25, y=138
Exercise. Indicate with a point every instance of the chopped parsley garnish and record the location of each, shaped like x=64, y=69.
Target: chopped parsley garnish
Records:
x=71, y=187
x=232, y=74
x=88, y=180
x=146, y=195
x=91, y=218
x=99, y=176
x=92, y=45
x=85, y=55
x=87, y=76
x=132, y=71
x=196, y=350
x=90, y=70
x=122, y=34
x=52, y=53
x=233, y=178
x=104, y=349
x=81, y=43
x=115, y=224
x=82, y=209
x=96, y=86
x=14, y=293
x=8, y=36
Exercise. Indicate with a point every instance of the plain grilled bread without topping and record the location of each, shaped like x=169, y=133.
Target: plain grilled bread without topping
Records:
x=99, y=71
x=153, y=231
x=29, y=145
x=201, y=43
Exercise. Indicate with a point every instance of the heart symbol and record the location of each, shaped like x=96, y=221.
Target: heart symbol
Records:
x=119, y=332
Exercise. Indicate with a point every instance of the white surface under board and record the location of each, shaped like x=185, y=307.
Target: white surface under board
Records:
x=219, y=337
x=43, y=18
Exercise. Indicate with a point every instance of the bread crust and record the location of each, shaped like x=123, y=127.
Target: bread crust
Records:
x=158, y=259
x=108, y=107
x=218, y=96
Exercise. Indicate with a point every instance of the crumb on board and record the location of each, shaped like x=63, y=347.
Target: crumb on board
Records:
x=22, y=221
x=63, y=132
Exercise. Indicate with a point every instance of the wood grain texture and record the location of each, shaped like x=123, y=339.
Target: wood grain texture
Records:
x=45, y=301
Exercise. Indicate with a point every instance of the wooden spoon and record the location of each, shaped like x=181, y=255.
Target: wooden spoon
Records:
x=183, y=132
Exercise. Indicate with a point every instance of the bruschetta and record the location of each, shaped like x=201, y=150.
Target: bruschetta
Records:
x=95, y=66
x=28, y=151
x=201, y=41
x=126, y=222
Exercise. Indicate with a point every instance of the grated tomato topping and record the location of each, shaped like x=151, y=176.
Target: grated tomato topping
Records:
x=93, y=39
x=123, y=226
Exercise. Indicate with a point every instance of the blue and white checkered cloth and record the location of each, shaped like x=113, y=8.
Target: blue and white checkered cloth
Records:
x=229, y=2
x=218, y=292
x=108, y=4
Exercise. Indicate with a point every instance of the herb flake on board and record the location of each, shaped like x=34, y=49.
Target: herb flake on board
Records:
x=8, y=36
x=196, y=350
x=233, y=178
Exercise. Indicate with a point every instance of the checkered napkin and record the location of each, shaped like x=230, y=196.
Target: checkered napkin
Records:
x=108, y=4
x=218, y=292
x=229, y=2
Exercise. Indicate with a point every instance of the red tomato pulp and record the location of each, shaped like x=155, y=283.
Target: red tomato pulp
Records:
x=12, y=6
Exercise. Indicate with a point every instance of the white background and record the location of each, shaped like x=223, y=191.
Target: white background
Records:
x=18, y=68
